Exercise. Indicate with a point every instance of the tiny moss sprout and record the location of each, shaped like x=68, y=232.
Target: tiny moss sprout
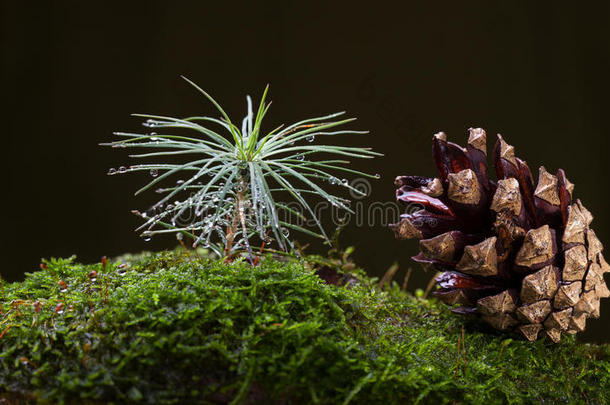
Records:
x=228, y=193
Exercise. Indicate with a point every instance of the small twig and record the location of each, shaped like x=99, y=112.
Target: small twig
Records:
x=406, y=280
x=260, y=251
x=389, y=275
x=457, y=360
x=504, y=344
x=461, y=354
x=430, y=284
x=5, y=331
x=464, y=350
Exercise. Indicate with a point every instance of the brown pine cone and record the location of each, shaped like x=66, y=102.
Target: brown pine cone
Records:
x=520, y=257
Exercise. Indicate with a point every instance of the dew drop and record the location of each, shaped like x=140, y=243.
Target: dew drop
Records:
x=285, y=232
x=180, y=182
x=111, y=171
x=147, y=239
x=299, y=157
x=345, y=182
x=377, y=175
x=179, y=236
x=122, y=169
x=311, y=138
x=154, y=172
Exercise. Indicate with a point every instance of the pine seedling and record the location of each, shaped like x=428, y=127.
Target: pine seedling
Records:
x=227, y=194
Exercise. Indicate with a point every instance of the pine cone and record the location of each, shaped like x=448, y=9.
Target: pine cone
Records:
x=520, y=257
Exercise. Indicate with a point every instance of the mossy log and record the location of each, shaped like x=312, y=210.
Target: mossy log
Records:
x=172, y=328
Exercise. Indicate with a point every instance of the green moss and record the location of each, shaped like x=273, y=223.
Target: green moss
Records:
x=169, y=329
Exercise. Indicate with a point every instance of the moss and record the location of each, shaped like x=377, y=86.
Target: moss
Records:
x=166, y=328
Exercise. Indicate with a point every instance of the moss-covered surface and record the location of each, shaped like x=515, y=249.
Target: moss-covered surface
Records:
x=169, y=329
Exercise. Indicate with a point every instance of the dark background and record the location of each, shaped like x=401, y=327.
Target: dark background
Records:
x=72, y=72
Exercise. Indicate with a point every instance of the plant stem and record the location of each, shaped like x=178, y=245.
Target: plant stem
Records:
x=239, y=218
x=241, y=202
x=231, y=236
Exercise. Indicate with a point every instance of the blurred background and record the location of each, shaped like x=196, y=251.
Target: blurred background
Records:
x=72, y=72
